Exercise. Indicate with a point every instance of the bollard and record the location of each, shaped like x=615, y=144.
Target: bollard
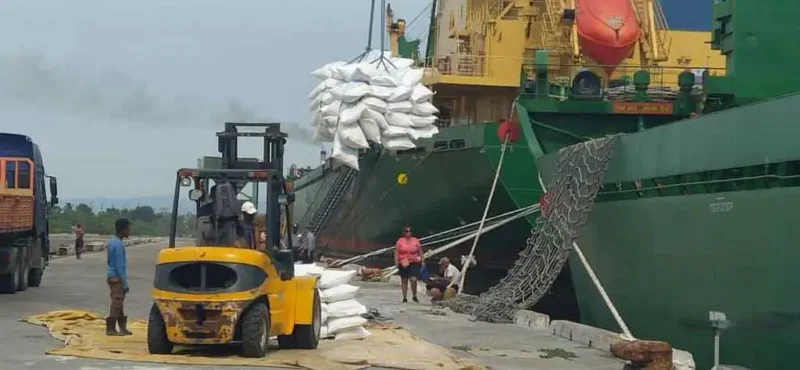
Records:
x=645, y=354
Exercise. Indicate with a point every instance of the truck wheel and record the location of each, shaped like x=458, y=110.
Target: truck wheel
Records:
x=10, y=282
x=23, y=276
x=305, y=336
x=255, y=331
x=35, y=275
x=157, y=341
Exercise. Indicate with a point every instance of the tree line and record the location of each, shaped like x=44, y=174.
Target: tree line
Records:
x=146, y=221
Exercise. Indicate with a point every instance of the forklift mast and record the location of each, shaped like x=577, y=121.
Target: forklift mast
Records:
x=272, y=161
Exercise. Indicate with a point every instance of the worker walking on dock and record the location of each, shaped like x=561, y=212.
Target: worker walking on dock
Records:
x=78, y=231
x=408, y=257
x=118, y=278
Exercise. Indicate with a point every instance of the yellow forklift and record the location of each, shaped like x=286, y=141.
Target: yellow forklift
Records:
x=217, y=292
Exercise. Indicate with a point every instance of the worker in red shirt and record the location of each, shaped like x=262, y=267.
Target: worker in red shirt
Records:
x=408, y=257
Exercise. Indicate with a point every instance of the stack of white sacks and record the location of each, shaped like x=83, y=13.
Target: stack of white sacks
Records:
x=341, y=313
x=371, y=101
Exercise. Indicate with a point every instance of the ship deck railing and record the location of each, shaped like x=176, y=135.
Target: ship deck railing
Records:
x=494, y=68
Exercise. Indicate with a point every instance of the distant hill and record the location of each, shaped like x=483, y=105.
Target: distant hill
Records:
x=160, y=203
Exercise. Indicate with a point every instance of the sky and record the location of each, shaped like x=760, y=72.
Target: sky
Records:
x=120, y=94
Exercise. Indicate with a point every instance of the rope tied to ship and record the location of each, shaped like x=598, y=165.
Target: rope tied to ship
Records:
x=471, y=255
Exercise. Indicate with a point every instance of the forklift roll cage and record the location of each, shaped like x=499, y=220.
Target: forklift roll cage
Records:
x=239, y=173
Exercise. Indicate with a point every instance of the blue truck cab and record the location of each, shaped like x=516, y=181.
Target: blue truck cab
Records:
x=24, y=224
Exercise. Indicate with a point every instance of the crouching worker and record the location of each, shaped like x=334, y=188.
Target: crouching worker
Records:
x=118, y=278
x=445, y=285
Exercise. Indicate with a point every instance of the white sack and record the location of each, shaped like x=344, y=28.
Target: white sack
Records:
x=332, y=109
x=398, y=119
x=326, y=71
x=338, y=293
x=383, y=80
x=400, y=107
x=332, y=123
x=371, y=130
x=353, y=137
x=324, y=311
x=322, y=134
x=354, y=333
x=424, y=133
x=343, y=154
x=303, y=269
x=375, y=104
x=359, y=72
x=400, y=93
x=402, y=63
x=351, y=113
x=394, y=131
x=340, y=324
x=316, y=118
x=424, y=109
x=412, y=77
x=382, y=92
x=323, y=332
x=331, y=278
x=398, y=143
x=349, y=307
x=420, y=121
x=420, y=93
x=327, y=84
x=350, y=92
x=376, y=116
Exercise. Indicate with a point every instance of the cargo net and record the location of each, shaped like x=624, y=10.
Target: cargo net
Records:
x=578, y=176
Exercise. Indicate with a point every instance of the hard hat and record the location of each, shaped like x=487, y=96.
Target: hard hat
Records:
x=249, y=208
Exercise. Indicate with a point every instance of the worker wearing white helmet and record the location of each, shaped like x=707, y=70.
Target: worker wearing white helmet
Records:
x=247, y=225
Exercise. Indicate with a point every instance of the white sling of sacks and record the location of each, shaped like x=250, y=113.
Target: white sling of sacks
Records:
x=341, y=313
x=356, y=103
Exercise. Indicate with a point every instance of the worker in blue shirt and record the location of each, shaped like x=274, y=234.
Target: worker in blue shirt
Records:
x=118, y=278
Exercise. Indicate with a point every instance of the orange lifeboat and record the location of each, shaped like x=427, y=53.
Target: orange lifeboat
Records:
x=607, y=30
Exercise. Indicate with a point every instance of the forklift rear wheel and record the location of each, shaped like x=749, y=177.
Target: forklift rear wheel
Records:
x=255, y=331
x=305, y=336
x=157, y=341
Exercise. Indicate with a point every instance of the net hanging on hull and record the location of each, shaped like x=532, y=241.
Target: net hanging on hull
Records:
x=578, y=177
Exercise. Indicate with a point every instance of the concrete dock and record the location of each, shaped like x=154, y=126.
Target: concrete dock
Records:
x=80, y=284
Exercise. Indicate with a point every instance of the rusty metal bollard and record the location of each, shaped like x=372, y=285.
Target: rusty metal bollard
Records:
x=645, y=354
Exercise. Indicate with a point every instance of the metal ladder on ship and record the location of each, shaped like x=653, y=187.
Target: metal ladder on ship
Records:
x=340, y=185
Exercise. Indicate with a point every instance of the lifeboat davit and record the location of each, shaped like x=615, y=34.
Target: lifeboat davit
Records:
x=607, y=30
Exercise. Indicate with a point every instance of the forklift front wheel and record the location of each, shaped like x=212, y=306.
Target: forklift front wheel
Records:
x=255, y=331
x=157, y=341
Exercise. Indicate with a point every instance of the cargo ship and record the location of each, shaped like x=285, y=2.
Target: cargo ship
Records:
x=688, y=219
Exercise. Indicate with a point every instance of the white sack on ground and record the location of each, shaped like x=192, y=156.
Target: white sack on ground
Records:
x=339, y=324
x=349, y=307
x=359, y=332
x=341, y=313
x=371, y=97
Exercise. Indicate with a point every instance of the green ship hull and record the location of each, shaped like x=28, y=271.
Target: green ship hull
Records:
x=448, y=183
x=705, y=230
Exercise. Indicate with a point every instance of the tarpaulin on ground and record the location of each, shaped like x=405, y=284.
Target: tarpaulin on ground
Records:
x=83, y=334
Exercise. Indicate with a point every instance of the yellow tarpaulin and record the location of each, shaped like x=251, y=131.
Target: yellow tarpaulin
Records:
x=83, y=334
